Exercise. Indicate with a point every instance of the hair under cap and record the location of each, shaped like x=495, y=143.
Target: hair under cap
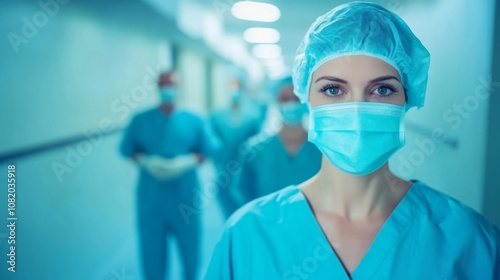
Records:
x=363, y=28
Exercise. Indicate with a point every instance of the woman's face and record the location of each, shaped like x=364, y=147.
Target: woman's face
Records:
x=357, y=78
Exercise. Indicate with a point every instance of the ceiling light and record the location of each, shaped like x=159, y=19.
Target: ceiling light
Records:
x=277, y=73
x=273, y=62
x=255, y=11
x=266, y=51
x=261, y=35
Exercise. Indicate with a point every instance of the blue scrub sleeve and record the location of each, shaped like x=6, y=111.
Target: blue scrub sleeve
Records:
x=496, y=273
x=232, y=252
x=243, y=184
x=214, y=125
x=220, y=266
x=256, y=127
x=129, y=145
x=208, y=143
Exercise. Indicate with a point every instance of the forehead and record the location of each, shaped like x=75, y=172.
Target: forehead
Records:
x=285, y=90
x=286, y=93
x=360, y=66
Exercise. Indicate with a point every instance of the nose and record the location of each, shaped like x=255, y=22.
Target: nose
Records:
x=359, y=95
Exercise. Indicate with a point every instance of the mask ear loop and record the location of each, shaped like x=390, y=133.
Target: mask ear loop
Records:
x=310, y=119
x=402, y=127
x=406, y=100
x=308, y=104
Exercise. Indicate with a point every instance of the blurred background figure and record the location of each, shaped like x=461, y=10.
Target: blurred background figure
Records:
x=168, y=144
x=234, y=125
x=281, y=155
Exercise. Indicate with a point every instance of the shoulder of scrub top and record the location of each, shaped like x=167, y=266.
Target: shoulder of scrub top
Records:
x=453, y=217
x=185, y=115
x=189, y=113
x=146, y=114
x=431, y=208
x=274, y=210
x=193, y=117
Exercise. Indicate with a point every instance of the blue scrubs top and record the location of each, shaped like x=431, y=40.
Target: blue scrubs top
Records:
x=428, y=236
x=233, y=127
x=180, y=133
x=267, y=166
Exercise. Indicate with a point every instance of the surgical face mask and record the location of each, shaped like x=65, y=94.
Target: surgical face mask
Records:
x=168, y=94
x=357, y=137
x=292, y=112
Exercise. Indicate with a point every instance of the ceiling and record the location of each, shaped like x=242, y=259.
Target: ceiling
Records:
x=296, y=17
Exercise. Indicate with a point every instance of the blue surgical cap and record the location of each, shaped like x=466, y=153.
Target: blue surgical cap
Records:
x=362, y=28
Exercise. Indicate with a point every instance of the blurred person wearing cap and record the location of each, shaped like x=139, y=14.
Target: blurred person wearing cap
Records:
x=168, y=144
x=234, y=125
x=280, y=156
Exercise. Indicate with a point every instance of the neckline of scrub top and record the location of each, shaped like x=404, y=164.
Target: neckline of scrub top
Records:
x=174, y=112
x=391, y=231
x=283, y=146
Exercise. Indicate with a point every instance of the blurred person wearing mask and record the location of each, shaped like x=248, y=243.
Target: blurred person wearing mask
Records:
x=234, y=126
x=168, y=144
x=280, y=157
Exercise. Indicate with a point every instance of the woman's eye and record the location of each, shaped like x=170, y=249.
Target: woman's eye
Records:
x=384, y=91
x=331, y=90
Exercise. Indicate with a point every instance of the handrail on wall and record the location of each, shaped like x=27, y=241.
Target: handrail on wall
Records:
x=5, y=157
x=9, y=156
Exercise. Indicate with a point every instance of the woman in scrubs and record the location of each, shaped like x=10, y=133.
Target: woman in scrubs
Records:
x=359, y=68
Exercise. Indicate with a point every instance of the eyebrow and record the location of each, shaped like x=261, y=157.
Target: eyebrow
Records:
x=330, y=78
x=335, y=79
x=384, y=78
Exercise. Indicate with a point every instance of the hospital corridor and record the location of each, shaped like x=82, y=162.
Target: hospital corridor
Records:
x=266, y=139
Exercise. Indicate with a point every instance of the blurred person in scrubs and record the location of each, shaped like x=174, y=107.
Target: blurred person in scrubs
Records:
x=281, y=156
x=359, y=69
x=233, y=125
x=168, y=144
